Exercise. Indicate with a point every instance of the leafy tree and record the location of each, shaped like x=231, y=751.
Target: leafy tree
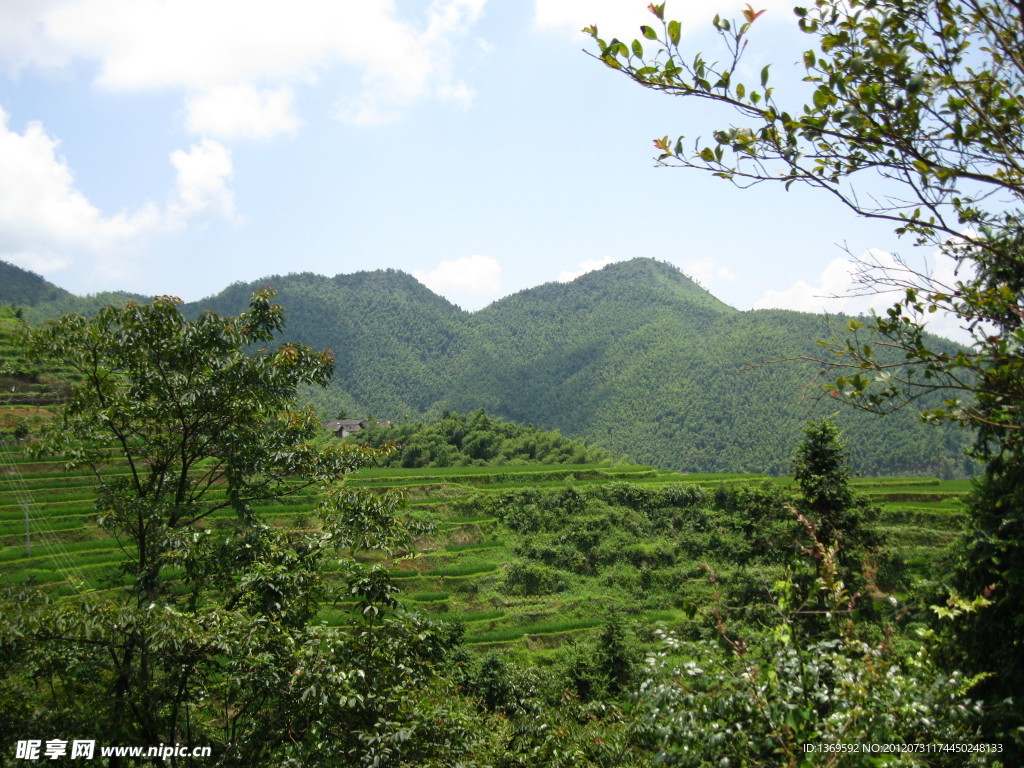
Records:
x=922, y=102
x=201, y=424
x=617, y=655
x=212, y=640
x=839, y=515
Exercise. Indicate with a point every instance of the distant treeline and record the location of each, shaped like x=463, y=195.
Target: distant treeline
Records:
x=476, y=439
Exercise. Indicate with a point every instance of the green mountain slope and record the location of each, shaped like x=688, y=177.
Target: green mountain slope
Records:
x=392, y=337
x=19, y=286
x=41, y=300
x=640, y=356
x=635, y=355
x=533, y=354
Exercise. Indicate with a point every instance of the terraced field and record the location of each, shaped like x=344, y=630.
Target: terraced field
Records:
x=48, y=537
x=28, y=389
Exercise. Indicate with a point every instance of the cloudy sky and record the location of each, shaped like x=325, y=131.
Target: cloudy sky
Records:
x=175, y=147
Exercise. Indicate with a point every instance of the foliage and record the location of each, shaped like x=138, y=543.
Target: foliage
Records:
x=524, y=578
x=991, y=567
x=475, y=439
x=502, y=685
x=609, y=667
x=837, y=513
x=201, y=424
x=216, y=643
x=915, y=118
x=559, y=660
x=635, y=356
x=734, y=703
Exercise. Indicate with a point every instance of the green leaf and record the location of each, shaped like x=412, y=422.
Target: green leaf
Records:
x=648, y=32
x=674, y=30
x=764, y=75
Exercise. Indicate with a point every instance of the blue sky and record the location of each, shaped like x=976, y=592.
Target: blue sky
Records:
x=176, y=147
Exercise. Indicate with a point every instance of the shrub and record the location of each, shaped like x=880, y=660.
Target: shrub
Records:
x=526, y=578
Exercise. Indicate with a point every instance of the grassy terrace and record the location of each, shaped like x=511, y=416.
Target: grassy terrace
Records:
x=459, y=567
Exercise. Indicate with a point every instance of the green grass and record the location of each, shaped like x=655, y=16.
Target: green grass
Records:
x=428, y=597
x=540, y=628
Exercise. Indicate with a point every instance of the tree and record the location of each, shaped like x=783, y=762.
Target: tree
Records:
x=209, y=639
x=922, y=103
x=201, y=424
x=923, y=95
x=838, y=514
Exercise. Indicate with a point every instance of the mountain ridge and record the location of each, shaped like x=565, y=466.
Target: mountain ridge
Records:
x=636, y=353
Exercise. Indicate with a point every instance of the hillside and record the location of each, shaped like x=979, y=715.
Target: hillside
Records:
x=19, y=286
x=41, y=300
x=27, y=391
x=639, y=355
x=393, y=338
x=635, y=356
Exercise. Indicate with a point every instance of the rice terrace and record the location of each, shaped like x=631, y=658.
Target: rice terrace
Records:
x=50, y=540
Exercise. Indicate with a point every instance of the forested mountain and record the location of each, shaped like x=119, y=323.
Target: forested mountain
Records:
x=639, y=354
x=19, y=286
x=635, y=355
x=393, y=338
x=40, y=299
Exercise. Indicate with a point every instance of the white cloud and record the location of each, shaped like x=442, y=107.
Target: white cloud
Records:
x=615, y=18
x=838, y=290
x=830, y=294
x=39, y=261
x=365, y=110
x=460, y=93
x=40, y=204
x=23, y=41
x=591, y=265
x=707, y=271
x=200, y=186
x=477, y=276
x=250, y=51
x=47, y=223
x=242, y=112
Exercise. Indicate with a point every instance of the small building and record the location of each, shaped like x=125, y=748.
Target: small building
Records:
x=346, y=427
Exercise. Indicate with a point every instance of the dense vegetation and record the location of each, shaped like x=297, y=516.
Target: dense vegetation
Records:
x=914, y=118
x=191, y=598
x=19, y=286
x=29, y=390
x=202, y=637
x=475, y=439
x=635, y=357
x=558, y=577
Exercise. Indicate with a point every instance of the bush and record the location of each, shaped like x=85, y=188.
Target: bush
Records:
x=735, y=702
x=526, y=578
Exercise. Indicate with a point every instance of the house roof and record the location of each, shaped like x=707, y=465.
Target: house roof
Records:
x=334, y=426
